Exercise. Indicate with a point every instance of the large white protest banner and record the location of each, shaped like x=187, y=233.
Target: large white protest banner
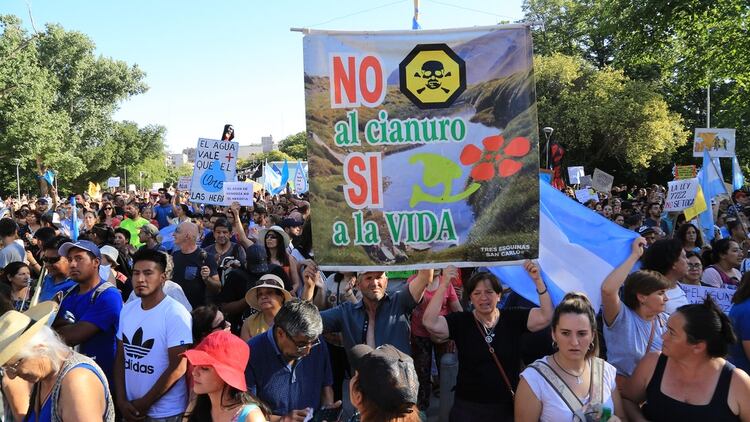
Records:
x=602, y=181
x=113, y=182
x=718, y=142
x=215, y=163
x=681, y=194
x=240, y=192
x=574, y=174
x=696, y=294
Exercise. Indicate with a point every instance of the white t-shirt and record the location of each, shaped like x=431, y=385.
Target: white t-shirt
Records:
x=677, y=298
x=553, y=407
x=146, y=338
x=172, y=290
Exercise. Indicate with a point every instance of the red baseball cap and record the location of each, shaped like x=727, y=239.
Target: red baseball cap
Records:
x=224, y=352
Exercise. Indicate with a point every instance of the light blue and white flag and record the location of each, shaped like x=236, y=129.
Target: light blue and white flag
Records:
x=271, y=179
x=712, y=185
x=738, y=179
x=300, y=179
x=284, y=179
x=578, y=248
x=74, y=229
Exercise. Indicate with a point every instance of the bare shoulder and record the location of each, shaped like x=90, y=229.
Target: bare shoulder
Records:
x=740, y=383
x=80, y=378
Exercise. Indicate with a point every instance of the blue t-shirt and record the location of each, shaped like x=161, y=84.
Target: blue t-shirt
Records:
x=740, y=316
x=163, y=213
x=283, y=387
x=104, y=312
x=50, y=289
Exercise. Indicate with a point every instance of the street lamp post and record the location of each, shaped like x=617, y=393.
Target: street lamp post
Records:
x=17, y=162
x=547, y=133
x=140, y=181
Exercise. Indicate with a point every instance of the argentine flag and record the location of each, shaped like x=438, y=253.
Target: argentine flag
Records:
x=738, y=179
x=271, y=179
x=578, y=248
x=712, y=184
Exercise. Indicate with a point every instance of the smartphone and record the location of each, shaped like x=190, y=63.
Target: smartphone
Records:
x=328, y=415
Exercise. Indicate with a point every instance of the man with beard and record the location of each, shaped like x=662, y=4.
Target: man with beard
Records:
x=90, y=312
x=654, y=220
x=133, y=222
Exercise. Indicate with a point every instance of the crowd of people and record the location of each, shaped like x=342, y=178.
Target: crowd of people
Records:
x=151, y=308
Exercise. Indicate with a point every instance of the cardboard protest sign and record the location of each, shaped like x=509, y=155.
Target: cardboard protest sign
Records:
x=586, y=181
x=215, y=163
x=585, y=195
x=240, y=192
x=426, y=180
x=113, y=182
x=157, y=186
x=718, y=142
x=132, y=188
x=681, y=194
x=602, y=181
x=574, y=174
x=684, y=172
x=696, y=294
x=183, y=183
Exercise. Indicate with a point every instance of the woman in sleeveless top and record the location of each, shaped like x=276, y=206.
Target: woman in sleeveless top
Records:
x=573, y=383
x=218, y=363
x=690, y=380
x=30, y=350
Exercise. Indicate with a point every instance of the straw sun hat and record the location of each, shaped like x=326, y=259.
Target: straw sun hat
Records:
x=17, y=328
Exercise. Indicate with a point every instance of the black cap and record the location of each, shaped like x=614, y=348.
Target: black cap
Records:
x=291, y=222
x=257, y=262
x=644, y=230
x=386, y=377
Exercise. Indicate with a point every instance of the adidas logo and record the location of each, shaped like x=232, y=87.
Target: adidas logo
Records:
x=137, y=348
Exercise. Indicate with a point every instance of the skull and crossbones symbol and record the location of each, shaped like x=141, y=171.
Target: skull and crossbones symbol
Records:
x=433, y=72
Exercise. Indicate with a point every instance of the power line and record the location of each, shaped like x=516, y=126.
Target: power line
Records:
x=472, y=10
x=357, y=13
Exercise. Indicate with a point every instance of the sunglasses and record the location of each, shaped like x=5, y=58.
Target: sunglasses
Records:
x=107, y=208
x=12, y=369
x=48, y=260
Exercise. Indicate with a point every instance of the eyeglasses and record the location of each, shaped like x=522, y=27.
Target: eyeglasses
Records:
x=302, y=346
x=8, y=369
x=694, y=265
x=50, y=260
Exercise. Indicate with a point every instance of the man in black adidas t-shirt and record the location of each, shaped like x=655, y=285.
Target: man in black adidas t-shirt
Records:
x=194, y=270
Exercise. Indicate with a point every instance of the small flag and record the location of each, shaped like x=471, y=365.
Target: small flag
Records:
x=74, y=219
x=284, y=179
x=415, y=19
x=738, y=179
x=49, y=176
x=699, y=205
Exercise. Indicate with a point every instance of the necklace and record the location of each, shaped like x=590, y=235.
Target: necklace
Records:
x=579, y=381
x=489, y=332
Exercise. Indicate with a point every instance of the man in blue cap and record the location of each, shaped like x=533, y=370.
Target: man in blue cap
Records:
x=90, y=311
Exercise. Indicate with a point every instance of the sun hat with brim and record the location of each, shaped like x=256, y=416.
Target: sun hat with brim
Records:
x=111, y=253
x=17, y=328
x=278, y=230
x=224, y=352
x=268, y=281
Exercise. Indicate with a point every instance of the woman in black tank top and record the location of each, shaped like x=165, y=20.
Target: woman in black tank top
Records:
x=690, y=380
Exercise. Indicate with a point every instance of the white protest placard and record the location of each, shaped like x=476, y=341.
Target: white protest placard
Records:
x=584, y=195
x=681, y=194
x=241, y=192
x=183, y=183
x=718, y=142
x=574, y=174
x=132, y=188
x=113, y=182
x=696, y=294
x=602, y=181
x=215, y=164
x=586, y=181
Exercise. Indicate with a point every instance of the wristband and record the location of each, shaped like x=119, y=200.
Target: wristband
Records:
x=542, y=292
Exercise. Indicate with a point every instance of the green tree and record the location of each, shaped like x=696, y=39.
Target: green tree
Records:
x=57, y=99
x=295, y=146
x=273, y=155
x=603, y=118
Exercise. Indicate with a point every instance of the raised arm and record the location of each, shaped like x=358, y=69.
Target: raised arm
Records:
x=538, y=317
x=242, y=238
x=420, y=282
x=435, y=323
x=611, y=285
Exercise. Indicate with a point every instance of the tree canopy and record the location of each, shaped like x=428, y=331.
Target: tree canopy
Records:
x=295, y=146
x=57, y=99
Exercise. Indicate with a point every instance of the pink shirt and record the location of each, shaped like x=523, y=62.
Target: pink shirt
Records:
x=417, y=329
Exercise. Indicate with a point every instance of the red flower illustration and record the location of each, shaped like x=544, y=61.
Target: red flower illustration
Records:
x=492, y=156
